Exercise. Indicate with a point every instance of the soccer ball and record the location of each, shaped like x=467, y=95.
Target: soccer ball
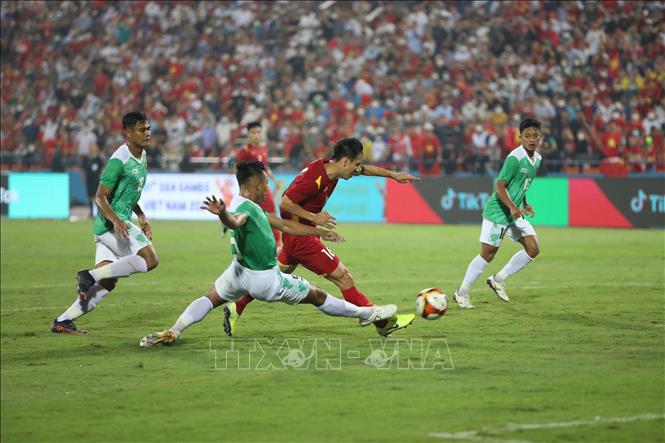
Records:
x=431, y=303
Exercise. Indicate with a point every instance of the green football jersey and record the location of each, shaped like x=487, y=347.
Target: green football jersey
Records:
x=253, y=243
x=125, y=175
x=518, y=172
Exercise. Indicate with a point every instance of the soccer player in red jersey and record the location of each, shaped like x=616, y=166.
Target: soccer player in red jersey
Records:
x=303, y=201
x=254, y=151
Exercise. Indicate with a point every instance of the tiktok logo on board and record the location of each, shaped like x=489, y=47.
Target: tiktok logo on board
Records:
x=654, y=203
x=8, y=196
x=466, y=201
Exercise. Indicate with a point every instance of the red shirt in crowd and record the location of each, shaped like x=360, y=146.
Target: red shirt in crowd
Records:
x=252, y=153
x=611, y=143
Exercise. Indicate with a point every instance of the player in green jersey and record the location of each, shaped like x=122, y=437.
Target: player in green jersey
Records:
x=122, y=247
x=254, y=268
x=504, y=214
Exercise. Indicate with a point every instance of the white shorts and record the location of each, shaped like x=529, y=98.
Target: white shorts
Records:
x=270, y=285
x=492, y=233
x=110, y=247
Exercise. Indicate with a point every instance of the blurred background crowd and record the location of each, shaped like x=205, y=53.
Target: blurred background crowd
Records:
x=435, y=87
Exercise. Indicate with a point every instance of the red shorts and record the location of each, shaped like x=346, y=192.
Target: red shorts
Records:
x=307, y=251
x=268, y=203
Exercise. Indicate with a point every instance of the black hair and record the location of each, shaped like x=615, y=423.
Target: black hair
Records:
x=529, y=123
x=131, y=119
x=347, y=147
x=252, y=125
x=246, y=170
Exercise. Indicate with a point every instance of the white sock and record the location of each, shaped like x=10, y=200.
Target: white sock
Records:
x=124, y=267
x=341, y=308
x=473, y=271
x=95, y=296
x=514, y=265
x=195, y=312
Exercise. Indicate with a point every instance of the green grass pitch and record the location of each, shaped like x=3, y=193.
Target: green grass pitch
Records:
x=577, y=355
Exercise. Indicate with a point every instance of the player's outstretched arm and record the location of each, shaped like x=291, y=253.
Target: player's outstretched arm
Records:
x=143, y=221
x=401, y=177
x=102, y=200
x=294, y=228
x=217, y=207
x=322, y=218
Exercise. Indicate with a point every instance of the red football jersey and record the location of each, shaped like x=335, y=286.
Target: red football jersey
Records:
x=252, y=153
x=310, y=189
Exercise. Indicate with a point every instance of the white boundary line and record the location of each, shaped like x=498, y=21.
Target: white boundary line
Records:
x=485, y=434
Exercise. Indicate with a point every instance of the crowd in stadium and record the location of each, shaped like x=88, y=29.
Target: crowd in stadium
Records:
x=437, y=87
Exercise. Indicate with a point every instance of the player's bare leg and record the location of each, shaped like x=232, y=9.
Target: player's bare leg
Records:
x=343, y=279
x=335, y=307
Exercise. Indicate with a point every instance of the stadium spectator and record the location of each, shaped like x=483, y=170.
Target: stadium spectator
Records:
x=92, y=166
x=431, y=154
x=483, y=147
x=204, y=69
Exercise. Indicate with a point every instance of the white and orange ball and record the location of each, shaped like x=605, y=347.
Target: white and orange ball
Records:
x=431, y=303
